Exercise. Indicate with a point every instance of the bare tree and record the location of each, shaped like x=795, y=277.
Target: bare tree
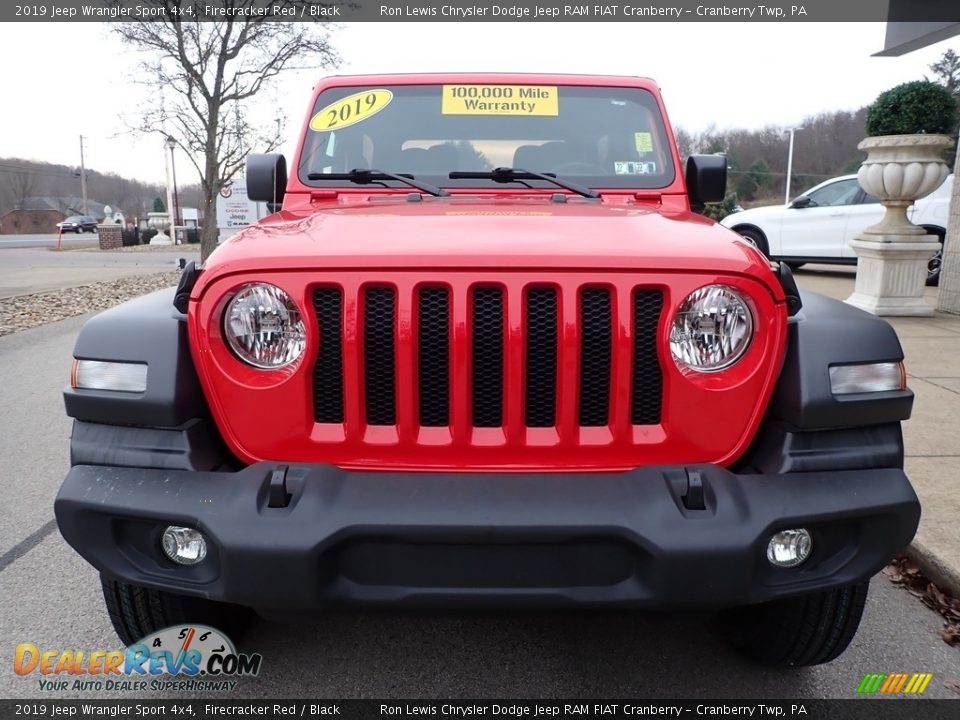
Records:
x=22, y=184
x=947, y=72
x=206, y=73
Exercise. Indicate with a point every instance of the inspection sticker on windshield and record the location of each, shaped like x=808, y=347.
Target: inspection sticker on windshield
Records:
x=500, y=100
x=350, y=110
x=634, y=168
x=643, y=141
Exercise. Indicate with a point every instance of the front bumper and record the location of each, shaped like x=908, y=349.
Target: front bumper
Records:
x=620, y=539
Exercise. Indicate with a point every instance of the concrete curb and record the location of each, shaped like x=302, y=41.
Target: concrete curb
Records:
x=943, y=574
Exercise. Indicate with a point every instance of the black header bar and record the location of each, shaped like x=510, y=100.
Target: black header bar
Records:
x=640, y=11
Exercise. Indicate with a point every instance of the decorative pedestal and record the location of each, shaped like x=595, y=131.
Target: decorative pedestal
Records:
x=893, y=254
x=892, y=273
x=110, y=237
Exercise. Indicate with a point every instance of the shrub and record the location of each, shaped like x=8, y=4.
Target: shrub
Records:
x=718, y=211
x=147, y=235
x=915, y=107
x=128, y=236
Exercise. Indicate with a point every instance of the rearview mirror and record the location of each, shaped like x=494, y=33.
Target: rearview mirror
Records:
x=801, y=202
x=267, y=179
x=706, y=179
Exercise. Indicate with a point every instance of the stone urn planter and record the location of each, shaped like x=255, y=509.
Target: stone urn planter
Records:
x=159, y=221
x=899, y=170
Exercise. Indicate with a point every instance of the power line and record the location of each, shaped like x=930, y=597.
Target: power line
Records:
x=39, y=171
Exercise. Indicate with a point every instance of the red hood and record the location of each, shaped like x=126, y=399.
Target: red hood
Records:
x=517, y=232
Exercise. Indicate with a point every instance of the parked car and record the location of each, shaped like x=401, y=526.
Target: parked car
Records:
x=448, y=378
x=820, y=223
x=78, y=224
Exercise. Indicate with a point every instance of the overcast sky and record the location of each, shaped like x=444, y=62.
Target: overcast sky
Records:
x=62, y=80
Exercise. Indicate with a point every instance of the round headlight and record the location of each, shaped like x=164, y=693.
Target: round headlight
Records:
x=263, y=327
x=712, y=329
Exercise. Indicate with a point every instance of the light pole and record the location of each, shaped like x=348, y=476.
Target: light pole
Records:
x=83, y=179
x=786, y=194
x=170, y=143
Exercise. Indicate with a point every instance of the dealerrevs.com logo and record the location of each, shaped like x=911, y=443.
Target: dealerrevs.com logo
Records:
x=181, y=657
x=899, y=683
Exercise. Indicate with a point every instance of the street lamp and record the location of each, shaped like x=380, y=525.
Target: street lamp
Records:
x=171, y=144
x=786, y=194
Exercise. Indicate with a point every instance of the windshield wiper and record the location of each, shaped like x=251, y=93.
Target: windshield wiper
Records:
x=508, y=174
x=363, y=177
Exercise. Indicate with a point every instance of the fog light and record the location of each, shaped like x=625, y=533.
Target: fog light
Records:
x=184, y=545
x=789, y=548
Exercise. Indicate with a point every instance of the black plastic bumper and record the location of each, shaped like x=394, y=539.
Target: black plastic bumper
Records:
x=624, y=539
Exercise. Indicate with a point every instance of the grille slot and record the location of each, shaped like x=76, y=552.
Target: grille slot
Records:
x=647, y=375
x=595, y=350
x=379, y=324
x=541, y=360
x=433, y=356
x=328, y=372
x=487, y=357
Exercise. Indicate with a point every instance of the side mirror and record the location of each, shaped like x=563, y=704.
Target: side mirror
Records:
x=267, y=179
x=706, y=179
x=801, y=202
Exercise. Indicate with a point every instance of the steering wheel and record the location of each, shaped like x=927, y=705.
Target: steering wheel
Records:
x=579, y=168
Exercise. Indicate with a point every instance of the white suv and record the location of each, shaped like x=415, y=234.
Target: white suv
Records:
x=819, y=224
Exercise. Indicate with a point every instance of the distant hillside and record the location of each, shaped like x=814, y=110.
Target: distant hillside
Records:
x=20, y=179
x=824, y=148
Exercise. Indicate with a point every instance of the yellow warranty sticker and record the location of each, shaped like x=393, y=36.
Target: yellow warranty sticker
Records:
x=644, y=142
x=350, y=110
x=500, y=100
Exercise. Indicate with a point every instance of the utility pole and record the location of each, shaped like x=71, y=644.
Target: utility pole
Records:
x=83, y=178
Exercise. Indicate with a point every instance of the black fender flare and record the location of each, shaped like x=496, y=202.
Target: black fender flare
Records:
x=829, y=332
x=149, y=330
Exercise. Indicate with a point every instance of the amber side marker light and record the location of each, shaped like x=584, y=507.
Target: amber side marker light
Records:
x=104, y=375
x=868, y=378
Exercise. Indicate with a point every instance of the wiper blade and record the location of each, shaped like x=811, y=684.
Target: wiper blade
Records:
x=508, y=174
x=363, y=177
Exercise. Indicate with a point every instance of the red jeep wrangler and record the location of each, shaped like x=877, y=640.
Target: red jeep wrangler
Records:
x=483, y=353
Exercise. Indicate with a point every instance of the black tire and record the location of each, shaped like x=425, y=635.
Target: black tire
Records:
x=137, y=611
x=78, y=230
x=934, y=264
x=796, y=632
x=755, y=238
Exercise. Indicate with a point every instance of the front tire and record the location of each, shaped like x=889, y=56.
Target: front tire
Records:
x=755, y=238
x=137, y=611
x=806, y=630
x=934, y=264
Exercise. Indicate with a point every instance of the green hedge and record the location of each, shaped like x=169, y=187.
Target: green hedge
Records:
x=915, y=107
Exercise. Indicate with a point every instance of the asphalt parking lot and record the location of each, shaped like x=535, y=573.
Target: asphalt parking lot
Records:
x=30, y=263
x=50, y=597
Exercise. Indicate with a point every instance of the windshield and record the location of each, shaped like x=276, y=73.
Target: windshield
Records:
x=605, y=137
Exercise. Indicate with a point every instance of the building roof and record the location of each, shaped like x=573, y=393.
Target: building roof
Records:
x=65, y=205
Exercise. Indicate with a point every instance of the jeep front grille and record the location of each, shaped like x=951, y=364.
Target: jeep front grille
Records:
x=495, y=350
